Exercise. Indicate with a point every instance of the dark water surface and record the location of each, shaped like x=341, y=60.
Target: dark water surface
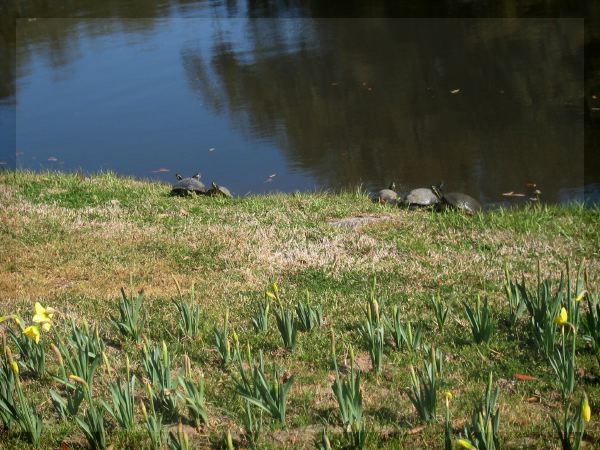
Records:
x=288, y=103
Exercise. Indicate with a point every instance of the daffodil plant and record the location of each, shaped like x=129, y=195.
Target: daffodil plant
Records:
x=563, y=358
x=309, y=317
x=347, y=391
x=483, y=431
x=130, y=321
x=190, y=314
x=157, y=365
x=441, y=310
x=480, y=320
x=19, y=411
x=404, y=336
x=570, y=430
x=192, y=394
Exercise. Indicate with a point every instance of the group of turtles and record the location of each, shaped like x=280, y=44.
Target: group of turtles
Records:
x=417, y=198
x=193, y=185
x=432, y=197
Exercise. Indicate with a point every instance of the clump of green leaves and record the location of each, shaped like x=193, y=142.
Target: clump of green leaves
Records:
x=260, y=321
x=424, y=386
x=253, y=425
x=515, y=293
x=158, y=366
x=403, y=336
x=18, y=410
x=284, y=317
x=222, y=342
x=480, y=320
x=348, y=394
x=179, y=440
x=153, y=421
x=190, y=314
x=92, y=422
x=269, y=395
x=130, y=321
x=371, y=331
x=123, y=399
x=483, y=430
x=309, y=317
x=563, y=361
x=441, y=311
x=193, y=394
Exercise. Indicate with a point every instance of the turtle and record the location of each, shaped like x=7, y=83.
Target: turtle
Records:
x=388, y=195
x=219, y=191
x=421, y=197
x=188, y=186
x=457, y=200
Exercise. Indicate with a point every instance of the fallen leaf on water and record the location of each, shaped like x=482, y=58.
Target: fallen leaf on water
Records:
x=523, y=377
x=416, y=430
x=455, y=91
x=270, y=178
x=52, y=158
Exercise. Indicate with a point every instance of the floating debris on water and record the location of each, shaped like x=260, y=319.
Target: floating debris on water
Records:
x=161, y=170
x=455, y=91
x=270, y=178
x=52, y=159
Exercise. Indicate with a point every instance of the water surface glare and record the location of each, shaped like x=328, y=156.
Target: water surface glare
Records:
x=486, y=105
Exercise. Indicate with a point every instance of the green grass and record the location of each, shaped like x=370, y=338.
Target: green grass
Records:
x=71, y=243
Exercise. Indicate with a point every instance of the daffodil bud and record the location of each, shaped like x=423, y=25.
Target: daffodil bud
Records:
x=586, y=411
x=15, y=368
x=464, y=443
x=77, y=379
x=229, y=441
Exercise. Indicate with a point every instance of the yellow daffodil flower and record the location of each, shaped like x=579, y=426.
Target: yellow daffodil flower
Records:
x=42, y=315
x=562, y=317
x=586, y=411
x=464, y=443
x=32, y=332
x=448, y=395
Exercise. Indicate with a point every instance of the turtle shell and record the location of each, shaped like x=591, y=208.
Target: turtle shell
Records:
x=187, y=186
x=463, y=202
x=421, y=197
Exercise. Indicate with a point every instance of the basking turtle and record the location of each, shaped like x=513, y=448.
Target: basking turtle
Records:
x=188, y=186
x=219, y=191
x=457, y=200
x=421, y=197
x=388, y=195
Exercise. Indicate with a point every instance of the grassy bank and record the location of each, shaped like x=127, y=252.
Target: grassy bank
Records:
x=71, y=243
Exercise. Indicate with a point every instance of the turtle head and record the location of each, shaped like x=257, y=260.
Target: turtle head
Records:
x=178, y=176
x=437, y=189
x=197, y=176
x=392, y=186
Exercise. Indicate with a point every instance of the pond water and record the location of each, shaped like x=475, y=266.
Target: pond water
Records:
x=290, y=103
